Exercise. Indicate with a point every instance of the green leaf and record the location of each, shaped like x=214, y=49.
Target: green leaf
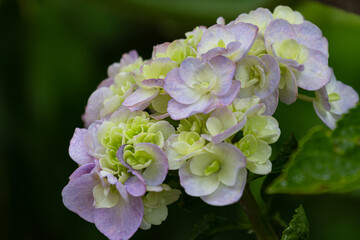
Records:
x=326, y=161
x=211, y=225
x=298, y=228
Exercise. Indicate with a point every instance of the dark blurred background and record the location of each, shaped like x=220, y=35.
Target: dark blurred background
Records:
x=53, y=55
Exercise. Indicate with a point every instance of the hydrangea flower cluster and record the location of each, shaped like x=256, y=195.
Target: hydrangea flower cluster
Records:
x=202, y=106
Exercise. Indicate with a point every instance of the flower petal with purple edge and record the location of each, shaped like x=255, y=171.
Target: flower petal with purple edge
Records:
x=225, y=195
x=309, y=35
x=106, y=82
x=322, y=94
x=140, y=96
x=288, y=93
x=348, y=96
x=227, y=133
x=245, y=33
x=225, y=100
x=272, y=77
x=177, y=89
x=225, y=69
x=179, y=111
x=156, y=173
x=159, y=116
x=153, y=82
x=316, y=72
x=84, y=169
x=196, y=185
x=77, y=150
x=232, y=160
x=326, y=116
x=122, y=220
x=78, y=196
x=278, y=30
x=95, y=104
x=271, y=103
x=135, y=185
x=126, y=59
x=119, y=155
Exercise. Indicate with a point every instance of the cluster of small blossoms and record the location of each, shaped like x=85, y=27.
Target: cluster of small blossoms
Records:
x=201, y=106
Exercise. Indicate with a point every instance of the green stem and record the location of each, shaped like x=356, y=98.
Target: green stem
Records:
x=305, y=98
x=260, y=225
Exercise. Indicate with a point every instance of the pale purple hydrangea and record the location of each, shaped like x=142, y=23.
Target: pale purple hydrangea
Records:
x=223, y=83
x=96, y=103
x=123, y=213
x=232, y=41
x=200, y=86
x=217, y=176
x=302, y=49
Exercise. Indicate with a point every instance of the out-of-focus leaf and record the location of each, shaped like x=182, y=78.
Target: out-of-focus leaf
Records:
x=211, y=225
x=326, y=161
x=298, y=228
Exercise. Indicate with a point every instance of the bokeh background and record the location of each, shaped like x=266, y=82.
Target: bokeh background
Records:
x=53, y=55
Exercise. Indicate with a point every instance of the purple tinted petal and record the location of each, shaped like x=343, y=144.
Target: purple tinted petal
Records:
x=225, y=195
x=113, y=69
x=161, y=48
x=77, y=149
x=211, y=38
x=122, y=220
x=159, y=116
x=316, y=72
x=278, y=30
x=179, y=111
x=135, y=186
x=78, y=196
x=140, y=97
x=227, y=133
x=84, y=169
x=190, y=68
x=288, y=93
x=177, y=89
x=128, y=58
x=290, y=62
x=139, y=107
x=271, y=103
x=216, y=51
x=310, y=35
x=348, y=98
x=327, y=117
x=119, y=155
x=196, y=185
x=156, y=173
x=225, y=69
x=323, y=97
x=225, y=100
x=106, y=83
x=153, y=82
x=245, y=33
x=272, y=75
x=95, y=104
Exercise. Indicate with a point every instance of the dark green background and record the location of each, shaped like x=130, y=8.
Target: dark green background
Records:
x=53, y=55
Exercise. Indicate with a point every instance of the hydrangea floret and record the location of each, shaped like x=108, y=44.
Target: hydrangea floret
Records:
x=201, y=107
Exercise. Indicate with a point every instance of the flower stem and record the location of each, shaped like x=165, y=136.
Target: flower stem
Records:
x=305, y=98
x=260, y=225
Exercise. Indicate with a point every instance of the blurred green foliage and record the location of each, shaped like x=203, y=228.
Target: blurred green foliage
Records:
x=53, y=55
